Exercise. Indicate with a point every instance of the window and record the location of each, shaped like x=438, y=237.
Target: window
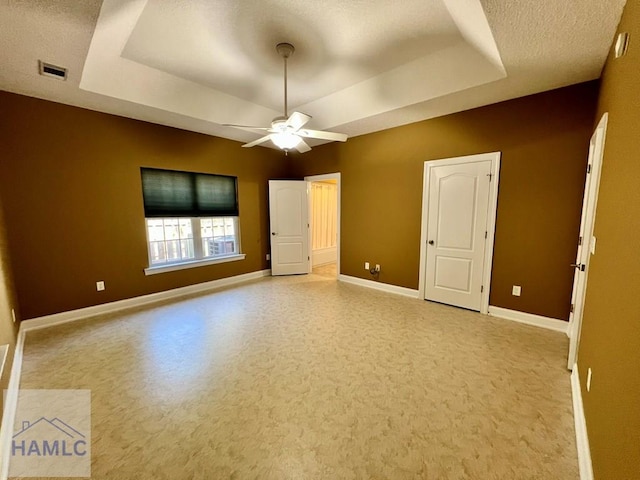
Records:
x=175, y=240
x=191, y=218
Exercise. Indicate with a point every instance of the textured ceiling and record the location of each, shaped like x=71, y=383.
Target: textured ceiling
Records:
x=359, y=66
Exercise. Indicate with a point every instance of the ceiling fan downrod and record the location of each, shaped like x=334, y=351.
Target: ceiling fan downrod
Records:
x=285, y=50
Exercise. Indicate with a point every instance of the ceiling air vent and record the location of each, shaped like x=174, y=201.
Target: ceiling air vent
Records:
x=49, y=70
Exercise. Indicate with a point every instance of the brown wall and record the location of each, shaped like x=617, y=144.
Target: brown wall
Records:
x=610, y=341
x=544, y=142
x=70, y=185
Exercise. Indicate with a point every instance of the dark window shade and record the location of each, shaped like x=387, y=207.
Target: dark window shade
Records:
x=169, y=193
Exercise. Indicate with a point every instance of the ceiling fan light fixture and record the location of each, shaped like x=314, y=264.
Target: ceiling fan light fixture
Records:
x=285, y=132
x=285, y=140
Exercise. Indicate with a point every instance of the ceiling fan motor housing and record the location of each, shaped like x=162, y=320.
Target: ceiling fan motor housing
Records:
x=285, y=131
x=285, y=50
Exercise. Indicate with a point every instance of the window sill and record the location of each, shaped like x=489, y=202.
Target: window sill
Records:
x=196, y=263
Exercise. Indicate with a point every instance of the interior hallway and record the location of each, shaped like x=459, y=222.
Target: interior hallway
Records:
x=304, y=377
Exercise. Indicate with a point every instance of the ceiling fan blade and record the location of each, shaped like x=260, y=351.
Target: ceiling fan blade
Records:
x=302, y=146
x=333, y=136
x=248, y=128
x=297, y=120
x=258, y=141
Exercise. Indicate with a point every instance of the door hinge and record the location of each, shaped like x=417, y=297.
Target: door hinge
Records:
x=589, y=168
x=308, y=258
x=572, y=307
x=481, y=288
x=579, y=241
x=490, y=175
x=485, y=234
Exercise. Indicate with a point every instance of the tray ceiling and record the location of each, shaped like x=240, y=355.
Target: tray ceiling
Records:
x=359, y=66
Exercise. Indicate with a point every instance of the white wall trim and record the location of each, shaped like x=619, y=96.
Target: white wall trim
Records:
x=11, y=405
x=530, y=319
x=81, y=313
x=337, y=176
x=385, y=287
x=4, y=353
x=582, y=439
x=196, y=263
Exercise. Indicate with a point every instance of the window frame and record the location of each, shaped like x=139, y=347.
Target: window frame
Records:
x=199, y=259
x=193, y=196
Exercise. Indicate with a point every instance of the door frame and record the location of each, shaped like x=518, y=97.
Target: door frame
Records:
x=587, y=248
x=494, y=157
x=319, y=178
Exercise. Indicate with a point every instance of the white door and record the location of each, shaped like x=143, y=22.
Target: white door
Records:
x=457, y=231
x=586, y=242
x=289, y=211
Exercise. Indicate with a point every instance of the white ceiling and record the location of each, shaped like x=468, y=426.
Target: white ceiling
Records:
x=359, y=66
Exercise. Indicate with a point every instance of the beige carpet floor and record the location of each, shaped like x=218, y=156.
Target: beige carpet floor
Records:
x=307, y=378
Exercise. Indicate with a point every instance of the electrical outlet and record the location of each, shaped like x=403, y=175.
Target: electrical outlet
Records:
x=366, y=265
x=13, y=315
x=268, y=256
x=516, y=290
x=589, y=380
x=377, y=267
x=100, y=286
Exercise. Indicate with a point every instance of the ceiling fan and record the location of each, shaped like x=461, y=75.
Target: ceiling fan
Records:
x=286, y=132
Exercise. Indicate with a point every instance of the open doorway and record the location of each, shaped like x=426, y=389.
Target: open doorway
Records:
x=324, y=224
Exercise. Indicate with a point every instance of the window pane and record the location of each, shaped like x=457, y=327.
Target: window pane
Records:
x=218, y=227
x=207, y=247
x=173, y=250
x=186, y=248
x=157, y=252
x=206, y=228
x=155, y=230
x=185, y=228
x=171, y=230
x=172, y=240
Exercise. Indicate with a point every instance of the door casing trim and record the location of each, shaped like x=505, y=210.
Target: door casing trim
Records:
x=494, y=157
x=319, y=178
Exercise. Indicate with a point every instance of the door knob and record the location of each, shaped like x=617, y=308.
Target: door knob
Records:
x=430, y=242
x=273, y=233
x=578, y=265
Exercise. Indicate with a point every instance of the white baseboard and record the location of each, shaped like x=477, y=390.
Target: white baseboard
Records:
x=582, y=439
x=323, y=256
x=81, y=313
x=385, y=287
x=530, y=319
x=10, y=406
